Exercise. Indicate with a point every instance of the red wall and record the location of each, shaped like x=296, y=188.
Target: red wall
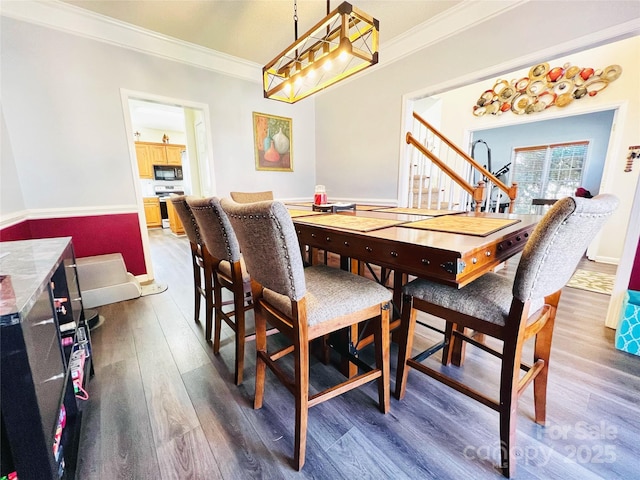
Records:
x=92, y=235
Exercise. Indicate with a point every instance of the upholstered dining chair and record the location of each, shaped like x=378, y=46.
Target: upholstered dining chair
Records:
x=304, y=304
x=201, y=262
x=510, y=311
x=250, y=197
x=228, y=272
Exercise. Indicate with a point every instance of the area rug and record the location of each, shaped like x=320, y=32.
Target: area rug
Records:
x=592, y=281
x=152, y=289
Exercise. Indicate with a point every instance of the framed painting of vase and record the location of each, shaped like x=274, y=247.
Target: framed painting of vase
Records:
x=272, y=142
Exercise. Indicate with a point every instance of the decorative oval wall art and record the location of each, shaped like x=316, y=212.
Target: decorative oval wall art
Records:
x=544, y=87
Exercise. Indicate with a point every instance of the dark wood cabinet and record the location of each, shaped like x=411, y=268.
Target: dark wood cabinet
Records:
x=46, y=359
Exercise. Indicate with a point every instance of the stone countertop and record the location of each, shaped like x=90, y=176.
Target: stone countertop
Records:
x=26, y=266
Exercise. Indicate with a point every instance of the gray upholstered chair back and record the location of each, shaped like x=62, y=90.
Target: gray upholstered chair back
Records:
x=215, y=228
x=251, y=197
x=269, y=245
x=186, y=217
x=557, y=244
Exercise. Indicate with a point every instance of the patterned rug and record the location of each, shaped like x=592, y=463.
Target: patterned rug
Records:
x=592, y=281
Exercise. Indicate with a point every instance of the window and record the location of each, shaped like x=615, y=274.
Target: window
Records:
x=547, y=171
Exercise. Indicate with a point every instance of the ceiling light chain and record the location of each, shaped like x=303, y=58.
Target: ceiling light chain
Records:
x=295, y=18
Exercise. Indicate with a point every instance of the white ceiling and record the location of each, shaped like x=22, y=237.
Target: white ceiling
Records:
x=252, y=30
x=256, y=30
x=156, y=116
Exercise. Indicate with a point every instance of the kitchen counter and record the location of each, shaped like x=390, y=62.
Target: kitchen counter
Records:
x=25, y=267
x=46, y=359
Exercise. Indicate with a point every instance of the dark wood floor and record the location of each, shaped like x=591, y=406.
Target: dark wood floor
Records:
x=163, y=406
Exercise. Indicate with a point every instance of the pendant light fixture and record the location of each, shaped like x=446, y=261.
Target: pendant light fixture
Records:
x=338, y=46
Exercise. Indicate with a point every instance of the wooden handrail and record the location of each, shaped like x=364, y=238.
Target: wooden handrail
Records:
x=443, y=166
x=510, y=191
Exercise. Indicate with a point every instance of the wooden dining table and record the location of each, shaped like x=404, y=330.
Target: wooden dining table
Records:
x=452, y=248
x=422, y=244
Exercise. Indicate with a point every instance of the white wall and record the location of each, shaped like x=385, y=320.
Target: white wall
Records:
x=65, y=122
x=155, y=136
x=11, y=198
x=359, y=121
x=623, y=94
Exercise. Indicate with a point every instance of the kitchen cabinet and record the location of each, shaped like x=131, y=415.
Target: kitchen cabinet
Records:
x=143, y=155
x=45, y=347
x=149, y=154
x=174, y=154
x=158, y=153
x=174, y=221
x=152, y=212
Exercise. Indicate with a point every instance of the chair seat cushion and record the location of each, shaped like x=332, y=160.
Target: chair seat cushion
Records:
x=332, y=293
x=487, y=298
x=225, y=268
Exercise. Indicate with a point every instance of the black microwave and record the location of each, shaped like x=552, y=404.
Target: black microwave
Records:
x=167, y=172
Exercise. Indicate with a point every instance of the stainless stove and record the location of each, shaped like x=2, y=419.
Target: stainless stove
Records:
x=163, y=192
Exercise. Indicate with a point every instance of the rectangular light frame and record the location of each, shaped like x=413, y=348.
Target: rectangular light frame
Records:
x=343, y=43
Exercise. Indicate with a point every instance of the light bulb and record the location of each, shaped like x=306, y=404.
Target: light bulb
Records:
x=327, y=65
x=343, y=56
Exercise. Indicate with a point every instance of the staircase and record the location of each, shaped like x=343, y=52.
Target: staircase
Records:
x=441, y=175
x=424, y=195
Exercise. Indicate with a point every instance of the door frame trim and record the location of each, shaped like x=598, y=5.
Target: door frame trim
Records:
x=125, y=96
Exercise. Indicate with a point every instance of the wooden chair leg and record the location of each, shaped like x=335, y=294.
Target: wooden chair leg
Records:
x=301, y=391
x=399, y=279
x=405, y=334
x=457, y=347
x=542, y=350
x=348, y=334
x=508, y=417
x=238, y=302
x=509, y=381
x=261, y=366
x=325, y=349
x=209, y=298
x=352, y=368
x=447, y=350
x=197, y=285
x=217, y=296
x=381, y=340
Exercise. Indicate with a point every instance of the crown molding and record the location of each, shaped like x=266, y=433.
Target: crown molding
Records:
x=463, y=16
x=591, y=40
x=77, y=21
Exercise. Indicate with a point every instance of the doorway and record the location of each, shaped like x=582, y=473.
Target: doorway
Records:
x=435, y=105
x=578, y=165
x=154, y=119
